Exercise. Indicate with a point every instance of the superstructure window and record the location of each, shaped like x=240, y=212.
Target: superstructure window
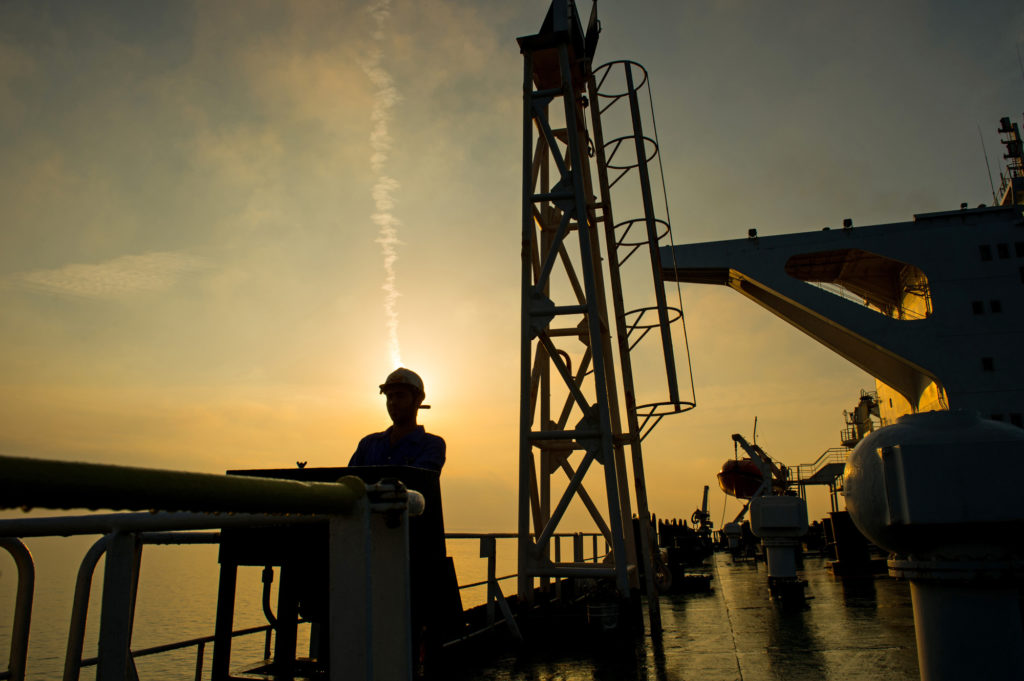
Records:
x=1016, y=420
x=978, y=307
x=1019, y=248
x=988, y=364
x=996, y=417
x=1003, y=250
x=985, y=251
x=995, y=306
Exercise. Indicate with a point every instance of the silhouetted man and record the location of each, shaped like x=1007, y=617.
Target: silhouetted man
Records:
x=405, y=443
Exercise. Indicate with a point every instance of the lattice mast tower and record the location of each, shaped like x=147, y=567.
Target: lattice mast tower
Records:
x=573, y=401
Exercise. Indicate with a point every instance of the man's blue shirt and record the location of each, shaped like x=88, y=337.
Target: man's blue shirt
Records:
x=419, y=449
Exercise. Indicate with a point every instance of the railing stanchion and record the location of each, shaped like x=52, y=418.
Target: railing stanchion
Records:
x=224, y=621
x=22, y=606
x=392, y=595
x=116, y=611
x=350, y=593
x=80, y=608
x=558, y=559
x=200, y=653
x=488, y=551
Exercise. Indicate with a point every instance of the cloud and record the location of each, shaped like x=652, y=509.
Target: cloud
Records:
x=14, y=64
x=117, y=278
x=386, y=96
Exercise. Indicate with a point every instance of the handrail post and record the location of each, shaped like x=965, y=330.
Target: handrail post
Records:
x=79, y=609
x=488, y=550
x=220, y=664
x=369, y=628
x=349, y=593
x=391, y=587
x=119, y=575
x=22, y=605
x=200, y=654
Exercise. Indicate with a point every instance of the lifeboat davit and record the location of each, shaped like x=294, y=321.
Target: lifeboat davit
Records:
x=740, y=478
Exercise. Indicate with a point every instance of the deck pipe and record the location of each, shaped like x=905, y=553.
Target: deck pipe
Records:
x=40, y=483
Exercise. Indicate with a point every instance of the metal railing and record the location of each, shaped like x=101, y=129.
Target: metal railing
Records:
x=22, y=607
x=125, y=533
x=488, y=550
x=73, y=661
x=369, y=597
x=806, y=471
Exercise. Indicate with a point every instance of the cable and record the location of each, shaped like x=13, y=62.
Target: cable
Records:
x=671, y=239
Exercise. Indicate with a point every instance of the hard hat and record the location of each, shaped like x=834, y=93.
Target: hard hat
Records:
x=404, y=377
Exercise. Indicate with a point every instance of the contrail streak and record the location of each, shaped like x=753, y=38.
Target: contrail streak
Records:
x=385, y=97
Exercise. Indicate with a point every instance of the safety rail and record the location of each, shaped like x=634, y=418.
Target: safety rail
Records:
x=200, y=644
x=488, y=550
x=806, y=471
x=367, y=555
x=74, y=662
x=22, y=606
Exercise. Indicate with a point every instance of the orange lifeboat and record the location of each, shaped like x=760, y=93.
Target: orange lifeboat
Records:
x=740, y=478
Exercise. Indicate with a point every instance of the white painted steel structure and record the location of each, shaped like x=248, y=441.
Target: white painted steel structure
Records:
x=368, y=570
x=933, y=308
x=575, y=402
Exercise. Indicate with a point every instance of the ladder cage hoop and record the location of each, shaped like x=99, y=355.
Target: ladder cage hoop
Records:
x=622, y=174
x=632, y=249
x=639, y=338
x=629, y=224
x=625, y=80
x=605, y=70
x=650, y=152
x=675, y=315
x=665, y=408
x=645, y=432
x=614, y=147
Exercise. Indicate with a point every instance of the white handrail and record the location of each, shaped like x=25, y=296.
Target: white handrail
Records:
x=368, y=549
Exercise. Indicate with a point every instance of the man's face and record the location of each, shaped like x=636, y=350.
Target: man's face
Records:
x=402, y=404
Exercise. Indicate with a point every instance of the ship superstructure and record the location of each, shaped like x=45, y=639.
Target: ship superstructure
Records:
x=931, y=308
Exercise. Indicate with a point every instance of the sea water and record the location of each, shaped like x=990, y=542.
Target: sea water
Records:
x=177, y=601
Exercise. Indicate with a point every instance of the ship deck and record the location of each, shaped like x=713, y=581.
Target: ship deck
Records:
x=851, y=629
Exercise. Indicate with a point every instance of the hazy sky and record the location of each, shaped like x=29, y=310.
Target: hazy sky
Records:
x=190, y=268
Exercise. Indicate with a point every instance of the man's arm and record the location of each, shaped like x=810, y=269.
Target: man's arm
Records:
x=432, y=455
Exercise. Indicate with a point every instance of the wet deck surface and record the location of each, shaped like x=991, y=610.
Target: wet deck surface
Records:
x=852, y=629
